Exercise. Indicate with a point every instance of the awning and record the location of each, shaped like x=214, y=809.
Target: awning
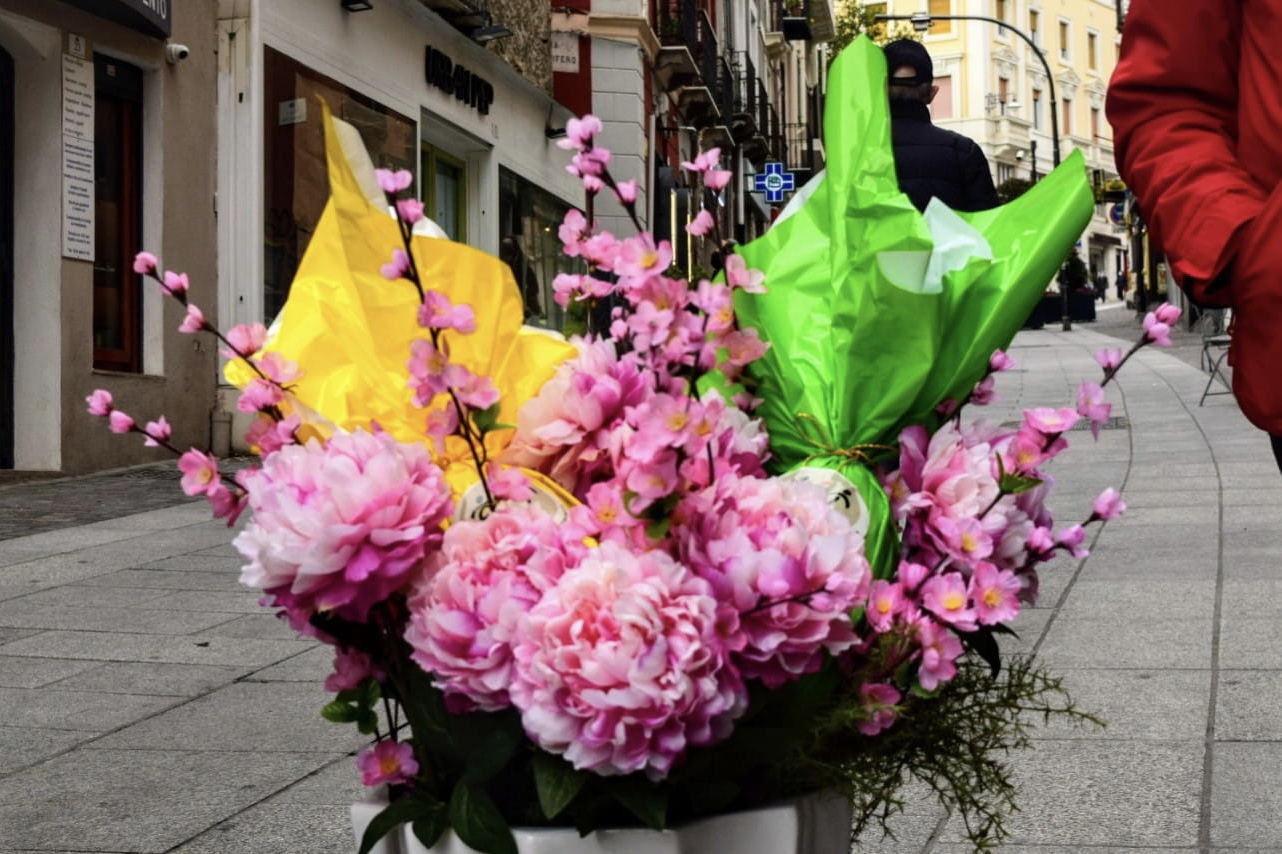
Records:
x=1105, y=240
x=145, y=16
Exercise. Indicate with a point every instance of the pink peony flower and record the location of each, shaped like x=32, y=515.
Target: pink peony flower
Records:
x=341, y=526
x=786, y=561
x=623, y=665
x=387, y=762
x=466, y=614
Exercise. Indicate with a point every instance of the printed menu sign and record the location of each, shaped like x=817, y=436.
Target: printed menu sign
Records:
x=77, y=158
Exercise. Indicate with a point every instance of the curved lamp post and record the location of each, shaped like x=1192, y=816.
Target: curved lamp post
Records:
x=921, y=22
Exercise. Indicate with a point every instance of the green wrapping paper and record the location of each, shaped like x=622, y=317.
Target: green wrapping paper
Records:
x=875, y=313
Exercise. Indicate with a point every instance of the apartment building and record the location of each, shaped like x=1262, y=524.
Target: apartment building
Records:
x=1028, y=107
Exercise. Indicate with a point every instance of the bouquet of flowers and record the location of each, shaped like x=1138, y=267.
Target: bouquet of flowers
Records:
x=563, y=585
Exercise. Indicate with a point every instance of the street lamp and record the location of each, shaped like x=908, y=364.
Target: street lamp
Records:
x=921, y=22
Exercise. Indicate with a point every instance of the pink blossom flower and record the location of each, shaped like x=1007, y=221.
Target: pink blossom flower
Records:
x=624, y=665
x=441, y=422
x=200, y=472
x=1156, y=331
x=259, y=395
x=1091, y=404
x=398, y=267
x=100, y=402
x=409, y=211
x=341, y=526
x=580, y=132
x=224, y=503
x=739, y=276
x=702, y=224
x=946, y=597
x=145, y=263
x=717, y=179
x=387, y=762
x=278, y=369
x=269, y=435
x=175, y=284
x=245, y=339
x=885, y=602
x=351, y=668
x=194, y=321
x=940, y=649
x=1110, y=359
x=878, y=701
x=437, y=312
x=995, y=593
x=157, y=431
x=120, y=422
x=704, y=161
x=1050, y=422
x=473, y=390
x=626, y=191
x=394, y=182
x=573, y=231
x=641, y=257
x=466, y=614
x=508, y=483
x=1072, y=538
x=999, y=361
x=984, y=391
x=1167, y=313
x=1108, y=505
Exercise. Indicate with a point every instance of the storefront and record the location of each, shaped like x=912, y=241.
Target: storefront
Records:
x=106, y=148
x=423, y=97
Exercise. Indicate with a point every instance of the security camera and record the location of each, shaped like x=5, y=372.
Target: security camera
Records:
x=176, y=53
x=1019, y=155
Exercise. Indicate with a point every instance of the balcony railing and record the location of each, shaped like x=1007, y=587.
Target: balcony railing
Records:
x=676, y=23
x=792, y=18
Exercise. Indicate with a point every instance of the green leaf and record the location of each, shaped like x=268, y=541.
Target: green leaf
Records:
x=368, y=692
x=1014, y=484
x=557, y=783
x=428, y=830
x=340, y=713
x=658, y=528
x=487, y=420
x=367, y=722
x=489, y=754
x=397, y=813
x=478, y=822
x=646, y=801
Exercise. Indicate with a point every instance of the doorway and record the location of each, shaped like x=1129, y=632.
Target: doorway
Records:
x=7, y=331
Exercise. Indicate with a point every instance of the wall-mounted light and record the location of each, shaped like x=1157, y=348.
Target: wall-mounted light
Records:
x=490, y=31
x=357, y=5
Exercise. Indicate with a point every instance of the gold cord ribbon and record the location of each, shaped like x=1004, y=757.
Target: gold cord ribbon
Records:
x=855, y=453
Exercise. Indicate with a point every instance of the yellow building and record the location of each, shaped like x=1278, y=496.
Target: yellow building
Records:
x=994, y=88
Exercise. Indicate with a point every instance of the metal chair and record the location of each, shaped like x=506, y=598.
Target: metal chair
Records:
x=1215, y=324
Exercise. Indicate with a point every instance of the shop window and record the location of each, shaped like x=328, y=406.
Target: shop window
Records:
x=941, y=7
x=529, y=217
x=445, y=191
x=296, y=181
x=117, y=302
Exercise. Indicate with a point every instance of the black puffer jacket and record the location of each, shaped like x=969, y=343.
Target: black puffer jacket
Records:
x=932, y=161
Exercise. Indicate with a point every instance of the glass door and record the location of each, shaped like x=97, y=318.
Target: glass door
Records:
x=445, y=191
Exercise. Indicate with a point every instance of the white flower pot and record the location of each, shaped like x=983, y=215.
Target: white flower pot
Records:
x=817, y=824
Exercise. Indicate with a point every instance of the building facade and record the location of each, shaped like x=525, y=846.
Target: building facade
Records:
x=1022, y=111
x=456, y=92
x=106, y=148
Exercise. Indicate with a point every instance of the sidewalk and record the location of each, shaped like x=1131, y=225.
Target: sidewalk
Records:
x=150, y=705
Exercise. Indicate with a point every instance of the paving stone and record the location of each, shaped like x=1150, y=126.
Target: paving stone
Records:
x=23, y=746
x=1250, y=643
x=90, y=711
x=1246, y=800
x=1133, y=644
x=277, y=827
x=18, y=614
x=153, y=679
x=118, y=646
x=19, y=672
x=1136, y=704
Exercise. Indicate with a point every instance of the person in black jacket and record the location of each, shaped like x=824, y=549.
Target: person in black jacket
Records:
x=931, y=161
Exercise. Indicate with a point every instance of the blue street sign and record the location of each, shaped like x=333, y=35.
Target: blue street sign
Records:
x=774, y=182
x=1117, y=214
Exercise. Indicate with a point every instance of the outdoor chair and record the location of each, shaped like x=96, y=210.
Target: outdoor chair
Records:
x=1214, y=324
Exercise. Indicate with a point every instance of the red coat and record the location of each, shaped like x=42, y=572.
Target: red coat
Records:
x=1196, y=108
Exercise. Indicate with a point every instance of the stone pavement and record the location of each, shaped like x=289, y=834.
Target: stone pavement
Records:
x=147, y=704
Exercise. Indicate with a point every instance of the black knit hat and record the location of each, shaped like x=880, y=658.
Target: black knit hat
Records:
x=906, y=52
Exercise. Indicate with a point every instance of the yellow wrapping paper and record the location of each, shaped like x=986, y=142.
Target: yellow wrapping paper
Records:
x=349, y=329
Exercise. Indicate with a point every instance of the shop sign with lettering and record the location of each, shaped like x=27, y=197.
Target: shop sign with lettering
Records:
x=464, y=84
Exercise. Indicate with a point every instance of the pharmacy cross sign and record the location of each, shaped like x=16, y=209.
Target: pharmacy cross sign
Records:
x=774, y=182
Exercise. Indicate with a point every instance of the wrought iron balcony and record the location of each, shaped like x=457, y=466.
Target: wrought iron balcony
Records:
x=676, y=23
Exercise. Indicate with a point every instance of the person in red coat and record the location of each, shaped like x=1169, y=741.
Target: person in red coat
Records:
x=1197, y=120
